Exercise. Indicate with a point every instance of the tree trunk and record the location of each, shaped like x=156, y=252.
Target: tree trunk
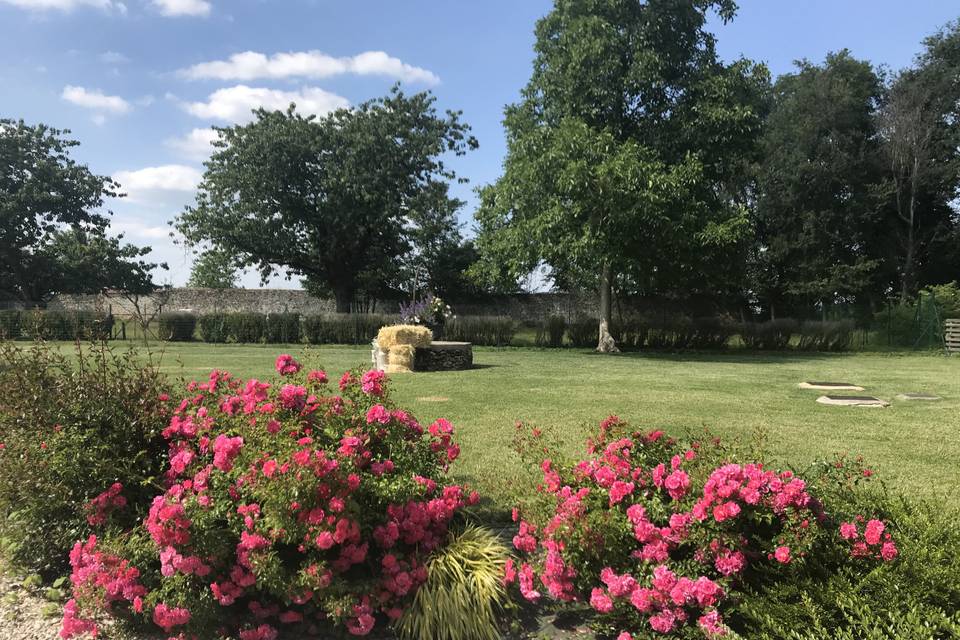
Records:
x=344, y=298
x=906, y=286
x=606, y=343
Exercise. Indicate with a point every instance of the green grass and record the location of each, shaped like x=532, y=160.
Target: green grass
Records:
x=911, y=445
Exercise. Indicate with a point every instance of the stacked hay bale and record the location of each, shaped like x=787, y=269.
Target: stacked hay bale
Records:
x=400, y=342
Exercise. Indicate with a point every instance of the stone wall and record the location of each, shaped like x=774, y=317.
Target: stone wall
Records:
x=529, y=307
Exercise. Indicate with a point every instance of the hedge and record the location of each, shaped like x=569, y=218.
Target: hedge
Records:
x=177, y=327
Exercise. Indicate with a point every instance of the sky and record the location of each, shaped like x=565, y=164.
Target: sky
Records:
x=140, y=82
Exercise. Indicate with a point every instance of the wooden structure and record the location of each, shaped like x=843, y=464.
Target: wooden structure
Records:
x=951, y=336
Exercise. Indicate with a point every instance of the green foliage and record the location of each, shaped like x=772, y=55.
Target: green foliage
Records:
x=344, y=328
x=283, y=190
x=772, y=335
x=213, y=327
x=550, y=332
x=245, y=328
x=52, y=240
x=214, y=269
x=826, y=335
x=464, y=593
x=10, y=324
x=65, y=325
x=582, y=332
x=282, y=328
x=177, y=327
x=487, y=331
x=71, y=425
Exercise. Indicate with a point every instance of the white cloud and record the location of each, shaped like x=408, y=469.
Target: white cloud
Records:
x=196, y=145
x=113, y=57
x=95, y=100
x=174, y=8
x=170, y=177
x=235, y=104
x=65, y=5
x=251, y=65
x=138, y=229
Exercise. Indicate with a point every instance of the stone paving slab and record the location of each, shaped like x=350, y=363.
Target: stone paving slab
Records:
x=853, y=401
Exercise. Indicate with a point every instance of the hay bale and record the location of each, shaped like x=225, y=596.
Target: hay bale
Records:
x=400, y=358
x=404, y=334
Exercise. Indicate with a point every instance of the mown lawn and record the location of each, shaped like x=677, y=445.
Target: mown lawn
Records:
x=913, y=446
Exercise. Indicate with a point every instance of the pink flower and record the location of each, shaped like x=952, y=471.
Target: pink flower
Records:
x=292, y=397
x=526, y=583
x=711, y=624
x=620, y=490
x=600, y=601
x=378, y=413
x=317, y=376
x=873, y=532
x=782, y=554
x=848, y=531
x=166, y=617
x=889, y=551
x=286, y=365
x=372, y=382
x=225, y=450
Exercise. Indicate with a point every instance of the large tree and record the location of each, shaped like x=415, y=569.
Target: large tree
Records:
x=920, y=129
x=334, y=199
x=820, y=197
x=53, y=230
x=625, y=152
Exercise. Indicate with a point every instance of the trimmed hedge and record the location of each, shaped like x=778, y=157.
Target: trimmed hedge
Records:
x=344, y=328
x=9, y=324
x=177, y=327
x=213, y=327
x=487, y=331
x=550, y=332
x=65, y=325
x=282, y=328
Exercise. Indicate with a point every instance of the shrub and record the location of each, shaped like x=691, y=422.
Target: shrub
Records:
x=282, y=328
x=213, y=327
x=71, y=426
x=245, y=328
x=65, y=325
x=827, y=335
x=772, y=335
x=583, y=332
x=631, y=332
x=284, y=503
x=177, y=327
x=344, y=328
x=464, y=595
x=662, y=538
x=550, y=332
x=489, y=331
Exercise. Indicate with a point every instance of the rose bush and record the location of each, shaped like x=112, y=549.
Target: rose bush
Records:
x=286, y=504
x=662, y=538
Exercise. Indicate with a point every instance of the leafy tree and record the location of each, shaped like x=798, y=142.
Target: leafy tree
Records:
x=214, y=269
x=920, y=128
x=52, y=236
x=331, y=198
x=624, y=153
x=819, y=204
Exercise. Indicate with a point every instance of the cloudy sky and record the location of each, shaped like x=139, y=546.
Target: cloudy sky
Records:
x=140, y=82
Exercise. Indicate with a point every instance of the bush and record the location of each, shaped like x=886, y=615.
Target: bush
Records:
x=282, y=328
x=177, y=327
x=583, y=332
x=213, y=327
x=65, y=325
x=631, y=332
x=286, y=503
x=344, y=328
x=550, y=332
x=658, y=535
x=488, y=331
x=826, y=335
x=245, y=328
x=772, y=335
x=68, y=433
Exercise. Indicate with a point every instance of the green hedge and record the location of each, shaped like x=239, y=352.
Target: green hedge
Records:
x=177, y=327
x=9, y=324
x=65, y=325
x=550, y=332
x=344, y=328
x=489, y=331
x=282, y=328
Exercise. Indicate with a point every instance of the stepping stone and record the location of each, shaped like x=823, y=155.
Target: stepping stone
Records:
x=853, y=401
x=830, y=386
x=918, y=396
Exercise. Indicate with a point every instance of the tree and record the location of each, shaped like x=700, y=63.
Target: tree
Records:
x=920, y=128
x=214, y=269
x=331, y=198
x=819, y=204
x=623, y=162
x=52, y=235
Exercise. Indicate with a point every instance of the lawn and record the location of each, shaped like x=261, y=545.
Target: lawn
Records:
x=912, y=445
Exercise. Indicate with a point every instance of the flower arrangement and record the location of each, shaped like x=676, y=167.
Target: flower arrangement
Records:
x=285, y=505
x=661, y=538
x=432, y=310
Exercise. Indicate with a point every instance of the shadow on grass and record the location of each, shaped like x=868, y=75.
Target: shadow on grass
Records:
x=734, y=357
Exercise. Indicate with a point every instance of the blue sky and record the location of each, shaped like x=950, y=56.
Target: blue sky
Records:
x=139, y=82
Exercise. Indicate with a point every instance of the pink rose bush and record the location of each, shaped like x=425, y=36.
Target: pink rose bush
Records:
x=665, y=539
x=285, y=505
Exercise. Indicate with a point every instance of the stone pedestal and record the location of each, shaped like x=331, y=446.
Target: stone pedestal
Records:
x=444, y=356
x=439, y=356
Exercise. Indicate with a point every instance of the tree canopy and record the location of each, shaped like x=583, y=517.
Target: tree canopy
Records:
x=623, y=155
x=338, y=199
x=53, y=231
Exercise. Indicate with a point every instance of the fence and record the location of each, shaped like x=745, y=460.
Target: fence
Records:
x=952, y=335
